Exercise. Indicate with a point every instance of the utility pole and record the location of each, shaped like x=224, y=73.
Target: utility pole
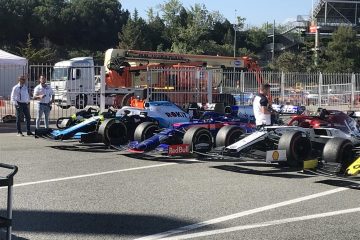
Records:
x=317, y=47
x=273, y=43
x=235, y=29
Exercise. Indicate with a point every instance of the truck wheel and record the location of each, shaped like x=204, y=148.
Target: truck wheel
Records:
x=228, y=135
x=126, y=99
x=64, y=107
x=63, y=123
x=81, y=101
x=225, y=98
x=145, y=130
x=298, y=148
x=199, y=139
x=339, y=150
x=113, y=132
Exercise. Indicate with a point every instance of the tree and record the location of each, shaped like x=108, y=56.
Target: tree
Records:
x=256, y=38
x=290, y=62
x=156, y=34
x=93, y=24
x=342, y=53
x=133, y=35
x=36, y=55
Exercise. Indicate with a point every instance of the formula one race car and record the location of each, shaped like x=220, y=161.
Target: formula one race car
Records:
x=118, y=127
x=195, y=136
x=334, y=145
x=288, y=109
x=78, y=117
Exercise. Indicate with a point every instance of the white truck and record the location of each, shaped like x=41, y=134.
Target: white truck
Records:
x=73, y=82
x=77, y=82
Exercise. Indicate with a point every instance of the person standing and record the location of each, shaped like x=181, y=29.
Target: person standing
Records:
x=44, y=94
x=21, y=99
x=261, y=107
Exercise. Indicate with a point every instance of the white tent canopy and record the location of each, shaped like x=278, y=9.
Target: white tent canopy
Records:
x=11, y=59
x=11, y=67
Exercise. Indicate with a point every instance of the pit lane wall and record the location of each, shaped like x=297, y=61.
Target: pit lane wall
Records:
x=185, y=85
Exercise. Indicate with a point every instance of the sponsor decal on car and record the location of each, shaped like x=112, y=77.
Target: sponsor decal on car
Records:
x=276, y=156
x=180, y=149
x=354, y=168
x=176, y=114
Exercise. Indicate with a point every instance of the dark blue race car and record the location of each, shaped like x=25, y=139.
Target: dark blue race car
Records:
x=213, y=129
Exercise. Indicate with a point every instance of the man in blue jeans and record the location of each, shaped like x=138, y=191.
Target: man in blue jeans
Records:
x=21, y=99
x=44, y=94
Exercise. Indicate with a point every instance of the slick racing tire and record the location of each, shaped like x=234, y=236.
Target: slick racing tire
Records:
x=199, y=139
x=113, y=132
x=298, y=148
x=228, y=135
x=339, y=150
x=145, y=130
x=63, y=123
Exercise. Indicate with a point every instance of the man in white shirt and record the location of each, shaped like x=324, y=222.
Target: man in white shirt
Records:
x=21, y=99
x=261, y=107
x=44, y=94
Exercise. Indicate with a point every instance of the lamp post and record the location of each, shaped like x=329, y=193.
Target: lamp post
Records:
x=235, y=26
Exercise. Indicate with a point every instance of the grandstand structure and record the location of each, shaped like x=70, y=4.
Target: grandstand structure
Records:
x=330, y=14
x=326, y=16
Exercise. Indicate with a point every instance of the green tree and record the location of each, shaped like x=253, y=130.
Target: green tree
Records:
x=93, y=24
x=134, y=35
x=156, y=34
x=35, y=55
x=290, y=62
x=342, y=53
x=256, y=38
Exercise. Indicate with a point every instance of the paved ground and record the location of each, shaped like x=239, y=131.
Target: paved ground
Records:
x=71, y=191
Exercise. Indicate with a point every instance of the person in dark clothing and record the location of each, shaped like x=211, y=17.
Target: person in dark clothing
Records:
x=21, y=99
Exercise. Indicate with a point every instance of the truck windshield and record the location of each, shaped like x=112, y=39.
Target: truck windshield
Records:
x=60, y=74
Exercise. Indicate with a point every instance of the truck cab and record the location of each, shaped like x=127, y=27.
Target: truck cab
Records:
x=72, y=81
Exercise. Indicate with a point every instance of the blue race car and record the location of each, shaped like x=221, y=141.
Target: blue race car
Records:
x=116, y=128
x=195, y=136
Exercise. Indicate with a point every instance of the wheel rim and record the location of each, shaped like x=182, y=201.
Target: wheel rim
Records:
x=234, y=137
x=203, y=139
x=149, y=132
x=346, y=156
x=300, y=147
x=116, y=134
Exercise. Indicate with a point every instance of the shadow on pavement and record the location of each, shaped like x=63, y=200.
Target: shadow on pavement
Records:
x=280, y=173
x=93, y=223
x=84, y=148
x=342, y=183
x=145, y=157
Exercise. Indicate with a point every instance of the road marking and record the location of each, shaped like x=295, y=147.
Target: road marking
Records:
x=264, y=224
x=241, y=214
x=92, y=175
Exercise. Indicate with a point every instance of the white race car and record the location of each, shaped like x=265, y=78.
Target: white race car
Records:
x=292, y=145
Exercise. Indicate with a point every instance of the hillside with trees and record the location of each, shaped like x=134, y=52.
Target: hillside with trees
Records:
x=52, y=30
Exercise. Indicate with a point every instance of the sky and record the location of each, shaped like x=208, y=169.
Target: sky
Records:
x=256, y=12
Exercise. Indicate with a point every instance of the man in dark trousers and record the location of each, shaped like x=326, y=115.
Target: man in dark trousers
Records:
x=21, y=99
x=262, y=112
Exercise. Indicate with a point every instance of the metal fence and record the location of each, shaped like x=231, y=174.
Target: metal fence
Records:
x=182, y=85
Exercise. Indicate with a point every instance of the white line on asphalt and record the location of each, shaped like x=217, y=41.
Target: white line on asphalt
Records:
x=92, y=174
x=241, y=214
x=264, y=224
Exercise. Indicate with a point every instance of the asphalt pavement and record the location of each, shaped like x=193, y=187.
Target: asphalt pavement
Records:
x=65, y=190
